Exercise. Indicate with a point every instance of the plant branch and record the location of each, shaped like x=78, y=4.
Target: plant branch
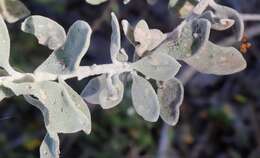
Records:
x=250, y=17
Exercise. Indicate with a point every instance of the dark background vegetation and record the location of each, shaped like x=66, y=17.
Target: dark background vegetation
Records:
x=220, y=116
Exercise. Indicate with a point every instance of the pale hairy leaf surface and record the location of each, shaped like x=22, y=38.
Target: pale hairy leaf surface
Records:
x=157, y=66
x=61, y=110
x=13, y=10
x=122, y=56
x=50, y=146
x=5, y=93
x=100, y=91
x=170, y=95
x=48, y=32
x=144, y=98
x=128, y=31
x=186, y=40
x=66, y=59
x=225, y=12
x=214, y=59
x=95, y=2
x=217, y=23
x=4, y=44
x=79, y=103
x=148, y=39
x=115, y=44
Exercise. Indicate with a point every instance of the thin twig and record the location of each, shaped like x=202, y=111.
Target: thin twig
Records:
x=250, y=17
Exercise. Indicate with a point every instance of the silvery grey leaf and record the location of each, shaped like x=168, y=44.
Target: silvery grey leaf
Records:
x=144, y=98
x=80, y=104
x=186, y=40
x=157, y=66
x=115, y=45
x=113, y=92
x=170, y=95
x=5, y=93
x=224, y=12
x=147, y=39
x=95, y=2
x=128, y=31
x=5, y=49
x=4, y=44
x=13, y=10
x=99, y=91
x=122, y=56
x=214, y=59
x=201, y=33
x=66, y=59
x=48, y=32
x=61, y=110
x=50, y=146
x=216, y=22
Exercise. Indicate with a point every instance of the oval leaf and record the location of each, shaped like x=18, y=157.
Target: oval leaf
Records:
x=214, y=59
x=186, y=40
x=62, y=111
x=4, y=44
x=5, y=93
x=145, y=100
x=66, y=59
x=48, y=32
x=115, y=45
x=216, y=22
x=147, y=39
x=128, y=31
x=157, y=66
x=170, y=95
x=224, y=12
x=99, y=91
x=13, y=10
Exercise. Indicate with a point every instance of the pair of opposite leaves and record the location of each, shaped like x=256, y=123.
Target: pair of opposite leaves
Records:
x=107, y=91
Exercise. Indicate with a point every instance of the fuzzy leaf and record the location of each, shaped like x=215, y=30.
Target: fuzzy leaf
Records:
x=147, y=39
x=128, y=31
x=48, y=32
x=13, y=10
x=214, y=59
x=61, y=110
x=158, y=66
x=170, y=95
x=66, y=59
x=5, y=93
x=224, y=12
x=186, y=40
x=4, y=44
x=122, y=56
x=216, y=22
x=99, y=91
x=145, y=100
x=95, y=2
x=115, y=45
x=50, y=146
